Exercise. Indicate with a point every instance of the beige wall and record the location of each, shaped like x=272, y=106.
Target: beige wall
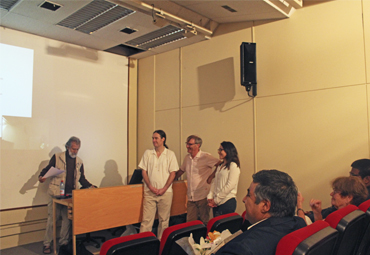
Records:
x=310, y=117
x=76, y=91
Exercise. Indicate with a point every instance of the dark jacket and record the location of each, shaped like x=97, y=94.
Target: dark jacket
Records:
x=262, y=238
x=324, y=213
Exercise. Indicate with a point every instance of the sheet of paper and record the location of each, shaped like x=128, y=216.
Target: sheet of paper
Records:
x=53, y=172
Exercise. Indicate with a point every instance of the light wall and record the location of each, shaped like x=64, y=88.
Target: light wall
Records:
x=310, y=117
x=76, y=92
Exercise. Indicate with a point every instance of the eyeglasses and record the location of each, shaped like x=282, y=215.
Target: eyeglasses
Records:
x=220, y=149
x=189, y=144
x=337, y=192
x=353, y=174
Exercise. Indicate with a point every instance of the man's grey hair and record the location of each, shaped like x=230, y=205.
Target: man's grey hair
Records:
x=278, y=188
x=197, y=140
x=73, y=139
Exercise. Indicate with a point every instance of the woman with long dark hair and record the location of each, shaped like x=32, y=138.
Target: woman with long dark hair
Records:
x=222, y=195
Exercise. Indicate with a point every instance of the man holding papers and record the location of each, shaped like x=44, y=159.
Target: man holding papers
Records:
x=71, y=172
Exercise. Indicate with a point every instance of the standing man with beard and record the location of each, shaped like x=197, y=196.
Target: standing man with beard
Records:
x=74, y=173
x=198, y=167
x=159, y=166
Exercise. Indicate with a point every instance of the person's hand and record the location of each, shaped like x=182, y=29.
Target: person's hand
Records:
x=161, y=191
x=300, y=200
x=315, y=205
x=42, y=179
x=211, y=203
x=152, y=189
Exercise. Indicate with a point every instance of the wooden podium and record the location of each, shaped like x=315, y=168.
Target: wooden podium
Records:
x=104, y=208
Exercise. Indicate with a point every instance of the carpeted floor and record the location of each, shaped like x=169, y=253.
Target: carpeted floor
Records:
x=36, y=248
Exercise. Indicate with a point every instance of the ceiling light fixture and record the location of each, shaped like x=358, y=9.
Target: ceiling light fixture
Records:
x=158, y=18
x=162, y=36
x=173, y=19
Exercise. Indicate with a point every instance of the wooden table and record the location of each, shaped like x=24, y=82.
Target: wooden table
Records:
x=104, y=208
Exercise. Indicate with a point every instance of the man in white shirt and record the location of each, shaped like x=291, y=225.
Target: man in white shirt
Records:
x=198, y=167
x=159, y=167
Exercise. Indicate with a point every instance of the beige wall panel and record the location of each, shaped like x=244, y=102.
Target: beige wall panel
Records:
x=132, y=118
x=234, y=124
x=22, y=239
x=211, y=70
x=366, y=10
x=167, y=80
x=169, y=122
x=314, y=136
x=146, y=111
x=22, y=226
x=320, y=46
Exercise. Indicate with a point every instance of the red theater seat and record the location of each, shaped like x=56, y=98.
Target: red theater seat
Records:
x=143, y=243
x=315, y=239
x=230, y=221
x=172, y=234
x=350, y=223
x=365, y=207
x=364, y=247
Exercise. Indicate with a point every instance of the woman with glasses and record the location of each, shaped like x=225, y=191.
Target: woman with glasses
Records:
x=222, y=195
x=346, y=190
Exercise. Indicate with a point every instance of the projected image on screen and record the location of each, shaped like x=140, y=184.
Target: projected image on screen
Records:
x=16, y=76
x=47, y=97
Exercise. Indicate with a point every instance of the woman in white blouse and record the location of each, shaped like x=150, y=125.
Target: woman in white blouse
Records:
x=225, y=184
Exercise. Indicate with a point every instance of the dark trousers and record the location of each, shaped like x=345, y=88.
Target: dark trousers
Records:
x=228, y=207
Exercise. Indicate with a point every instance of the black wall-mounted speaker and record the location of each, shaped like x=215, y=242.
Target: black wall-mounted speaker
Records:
x=248, y=72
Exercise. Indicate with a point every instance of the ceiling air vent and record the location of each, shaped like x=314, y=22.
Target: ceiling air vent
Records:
x=50, y=6
x=228, y=8
x=7, y=4
x=128, y=30
x=124, y=50
x=94, y=16
x=165, y=35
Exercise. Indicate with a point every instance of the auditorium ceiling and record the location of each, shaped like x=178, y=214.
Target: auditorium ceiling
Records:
x=136, y=28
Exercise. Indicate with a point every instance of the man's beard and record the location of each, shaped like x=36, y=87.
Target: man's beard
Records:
x=72, y=155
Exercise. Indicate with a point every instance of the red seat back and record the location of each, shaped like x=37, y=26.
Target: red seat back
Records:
x=142, y=243
x=230, y=221
x=364, y=247
x=316, y=239
x=365, y=206
x=350, y=223
x=172, y=234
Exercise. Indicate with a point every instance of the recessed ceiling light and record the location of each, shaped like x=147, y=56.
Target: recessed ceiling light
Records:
x=50, y=6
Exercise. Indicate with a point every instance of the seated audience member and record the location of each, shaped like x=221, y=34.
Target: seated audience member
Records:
x=346, y=190
x=361, y=168
x=222, y=194
x=270, y=206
